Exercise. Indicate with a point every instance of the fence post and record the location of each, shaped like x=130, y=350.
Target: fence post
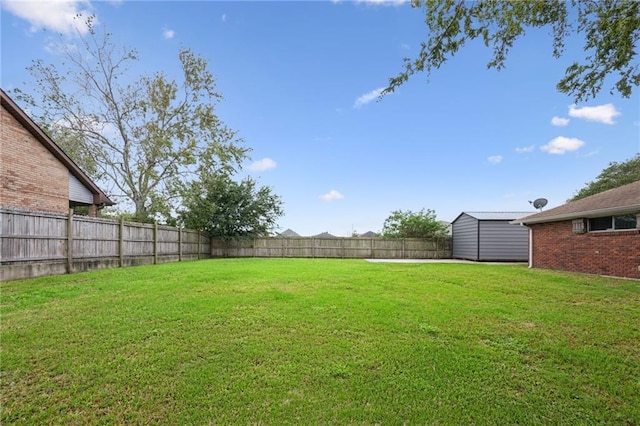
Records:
x=198, y=245
x=402, y=253
x=121, y=243
x=180, y=244
x=70, y=242
x=373, y=251
x=155, y=243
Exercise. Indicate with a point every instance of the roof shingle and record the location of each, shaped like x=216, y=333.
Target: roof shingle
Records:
x=618, y=201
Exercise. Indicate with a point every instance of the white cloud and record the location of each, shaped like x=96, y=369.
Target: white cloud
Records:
x=168, y=34
x=601, y=113
x=561, y=144
x=262, y=165
x=368, y=97
x=62, y=16
x=224, y=17
x=331, y=196
x=495, y=159
x=524, y=149
x=559, y=121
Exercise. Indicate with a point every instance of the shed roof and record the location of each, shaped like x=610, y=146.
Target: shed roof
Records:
x=506, y=216
x=618, y=201
x=17, y=112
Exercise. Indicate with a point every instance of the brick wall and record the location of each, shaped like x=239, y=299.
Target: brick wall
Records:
x=555, y=246
x=30, y=176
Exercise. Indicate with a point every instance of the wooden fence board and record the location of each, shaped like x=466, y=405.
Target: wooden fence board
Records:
x=35, y=243
x=352, y=248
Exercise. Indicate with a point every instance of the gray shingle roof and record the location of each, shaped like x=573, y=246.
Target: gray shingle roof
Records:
x=325, y=235
x=618, y=201
x=289, y=233
x=368, y=234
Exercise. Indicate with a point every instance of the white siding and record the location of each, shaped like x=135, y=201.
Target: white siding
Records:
x=78, y=192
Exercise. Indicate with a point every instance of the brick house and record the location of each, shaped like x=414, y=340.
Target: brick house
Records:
x=35, y=174
x=599, y=234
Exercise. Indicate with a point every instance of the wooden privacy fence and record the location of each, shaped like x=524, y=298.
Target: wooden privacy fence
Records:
x=35, y=244
x=347, y=248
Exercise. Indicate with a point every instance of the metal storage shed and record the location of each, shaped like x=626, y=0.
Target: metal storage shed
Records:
x=489, y=236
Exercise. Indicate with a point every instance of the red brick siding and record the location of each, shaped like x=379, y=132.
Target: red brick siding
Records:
x=555, y=246
x=30, y=176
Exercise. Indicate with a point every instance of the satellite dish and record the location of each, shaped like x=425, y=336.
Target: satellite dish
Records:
x=539, y=203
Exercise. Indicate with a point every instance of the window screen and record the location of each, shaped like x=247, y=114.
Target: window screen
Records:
x=627, y=221
x=600, y=223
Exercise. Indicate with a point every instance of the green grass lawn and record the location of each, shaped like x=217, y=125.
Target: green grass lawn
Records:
x=293, y=341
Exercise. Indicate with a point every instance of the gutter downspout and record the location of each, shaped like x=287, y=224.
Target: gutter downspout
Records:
x=530, y=247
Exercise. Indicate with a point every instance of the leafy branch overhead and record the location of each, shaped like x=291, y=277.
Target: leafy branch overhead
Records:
x=610, y=29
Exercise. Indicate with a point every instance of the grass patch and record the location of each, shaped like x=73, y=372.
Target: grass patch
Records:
x=293, y=341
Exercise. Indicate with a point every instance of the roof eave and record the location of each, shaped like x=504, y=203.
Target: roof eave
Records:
x=609, y=211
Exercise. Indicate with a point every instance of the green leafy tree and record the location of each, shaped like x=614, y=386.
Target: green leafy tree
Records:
x=408, y=224
x=610, y=29
x=145, y=136
x=74, y=147
x=615, y=175
x=229, y=210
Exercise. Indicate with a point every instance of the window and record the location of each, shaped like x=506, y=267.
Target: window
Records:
x=628, y=221
x=610, y=223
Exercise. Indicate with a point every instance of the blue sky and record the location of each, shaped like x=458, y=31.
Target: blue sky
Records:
x=300, y=81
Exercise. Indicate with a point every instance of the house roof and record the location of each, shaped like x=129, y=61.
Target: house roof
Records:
x=507, y=216
x=99, y=197
x=325, y=235
x=289, y=233
x=618, y=201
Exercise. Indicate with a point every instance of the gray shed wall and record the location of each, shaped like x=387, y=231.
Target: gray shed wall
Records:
x=500, y=240
x=78, y=192
x=465, y=238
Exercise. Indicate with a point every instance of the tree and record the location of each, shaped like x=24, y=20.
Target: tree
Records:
x=228, y=210
x=611, y=30
x=146, y=137
x=422, y=224
x=615, y=175
x=74, y=147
